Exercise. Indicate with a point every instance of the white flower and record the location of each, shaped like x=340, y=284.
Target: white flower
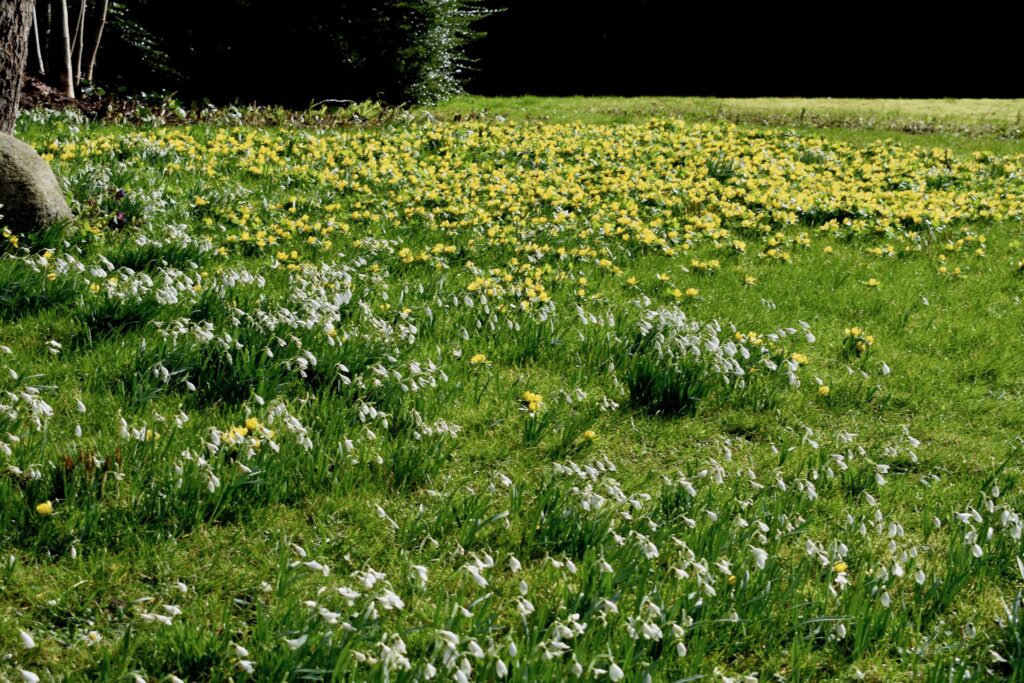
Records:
x=28, y=676
x=421, y=574
x=474, y=572
x=26, y=640
x=615, y=673
x=390, y=600
x=296, y=643
x=317, y=567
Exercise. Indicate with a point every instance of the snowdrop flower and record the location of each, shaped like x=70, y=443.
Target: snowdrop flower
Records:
x=26, y=640
x=390, y=601
x=474, y=572
x=317, y=567
x=421, y=574
x=296, y=643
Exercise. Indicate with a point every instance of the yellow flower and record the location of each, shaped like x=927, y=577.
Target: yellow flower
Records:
x=749, y=280
x=827, y=250
x=477, y=359
x=800, y=358
x=532, y=401
x=872, y=282
x=823, y=390
x=589, y=435
x=840, y=567
x=45, y=509
x=732, y=579
x=252, y=423
x=692, y=292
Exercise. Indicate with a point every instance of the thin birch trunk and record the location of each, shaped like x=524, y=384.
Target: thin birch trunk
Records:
x=79, y=42
x=38, y=43
x=65, y=78
x=95, y=37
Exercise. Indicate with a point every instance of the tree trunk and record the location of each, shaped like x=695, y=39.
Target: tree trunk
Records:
x=62, y=47
x=15, y=23
x=38, y=44
x=94, y=38
x=79, y=42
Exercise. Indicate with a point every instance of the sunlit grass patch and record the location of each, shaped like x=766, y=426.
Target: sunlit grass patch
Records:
x=482, y=400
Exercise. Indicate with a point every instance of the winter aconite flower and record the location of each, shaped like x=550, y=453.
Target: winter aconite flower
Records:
x=45, y=509
x=532, y=401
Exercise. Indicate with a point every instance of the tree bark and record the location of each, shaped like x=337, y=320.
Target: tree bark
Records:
x=15, y=23
x=65, y=76
x=95, y=37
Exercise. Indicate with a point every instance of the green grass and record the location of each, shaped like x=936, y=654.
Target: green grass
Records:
x=367, y=403
x=954, y=123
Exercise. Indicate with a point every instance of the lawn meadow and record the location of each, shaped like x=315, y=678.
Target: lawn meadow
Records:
x=518, y=395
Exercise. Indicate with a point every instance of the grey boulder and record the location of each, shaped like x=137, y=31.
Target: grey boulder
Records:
x=30, y=197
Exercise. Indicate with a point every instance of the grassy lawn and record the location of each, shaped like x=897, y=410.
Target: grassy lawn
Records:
x=537, y=399
x=954, y=114
x=954, y=123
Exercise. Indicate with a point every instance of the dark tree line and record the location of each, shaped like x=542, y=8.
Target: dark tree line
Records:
x=256, y=50
x=671, y=47
x=253, y=51
x=64, y=41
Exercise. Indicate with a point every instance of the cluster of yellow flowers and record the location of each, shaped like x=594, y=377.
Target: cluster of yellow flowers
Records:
x=857, y=342
x=532, y=401
x=251, y=434
x=533, y=201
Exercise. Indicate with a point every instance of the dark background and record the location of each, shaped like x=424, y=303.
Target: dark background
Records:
x=647, y=47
